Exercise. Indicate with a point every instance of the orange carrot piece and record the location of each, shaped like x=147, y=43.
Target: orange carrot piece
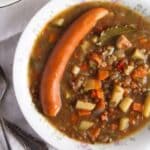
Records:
x=94, y=133
x=74, y=118
x=53, y=37
x=98, y=94
x=84, y=67
x=84, y=113
x=101, y=105
x=95, y=57
x=139, y=72
x=137, y=107
x=103, y=75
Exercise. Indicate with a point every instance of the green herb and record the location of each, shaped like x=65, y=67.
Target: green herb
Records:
x=115, y=31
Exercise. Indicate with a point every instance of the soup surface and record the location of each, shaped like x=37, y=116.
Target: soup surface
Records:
x=105, y=89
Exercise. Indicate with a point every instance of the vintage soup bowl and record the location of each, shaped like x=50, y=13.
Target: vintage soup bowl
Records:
x=37, y=121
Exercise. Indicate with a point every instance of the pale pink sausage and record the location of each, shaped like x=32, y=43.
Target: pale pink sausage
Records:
x=54, y=69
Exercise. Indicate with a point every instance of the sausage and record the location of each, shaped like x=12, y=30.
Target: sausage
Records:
x=55, y=66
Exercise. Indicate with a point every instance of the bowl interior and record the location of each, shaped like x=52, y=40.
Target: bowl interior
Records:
x=20, y=78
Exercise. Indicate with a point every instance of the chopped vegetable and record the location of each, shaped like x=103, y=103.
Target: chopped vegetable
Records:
x=137, y=107
x=139, y=72
x=103, y=74
x=68, y=94
x=84, y=125
x=123, y=43
x=146, y=110
x=92, y=84
x=95, y=57
x=115, y=31
x=75, y=70
x=101, y=105
x=85, y=46
x=94, y=133
x=85, y=105
x=124, y=124
x=100, y=94
x=129, y=69
x=94, y=39
x=125, y=104
x=84, y=113
x=110, y=50
x=138, y=54
x=117, y=95
x=59, y=22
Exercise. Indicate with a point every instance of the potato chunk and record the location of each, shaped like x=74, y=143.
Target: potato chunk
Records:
x=146, y=110
x=125, y=104
x=124, y=124
x=117, y=95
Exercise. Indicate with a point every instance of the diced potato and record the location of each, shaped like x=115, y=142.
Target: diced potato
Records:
x=85, y=46
x=94, y=39
x=59, y=22
x=146, y=110
x=124, y=124
x=85, y=105
x=75, y=70
x=92, y=84
x=128, y=70
x=84, y=125
x=117, y=95
x=138, y=55
x=125, y=104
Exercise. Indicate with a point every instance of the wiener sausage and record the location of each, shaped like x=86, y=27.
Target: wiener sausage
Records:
x=53, y=72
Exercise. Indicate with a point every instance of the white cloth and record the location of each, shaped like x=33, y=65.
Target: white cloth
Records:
x=13, y=19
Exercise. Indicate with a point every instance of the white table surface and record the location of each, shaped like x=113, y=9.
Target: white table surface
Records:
x=13, y=20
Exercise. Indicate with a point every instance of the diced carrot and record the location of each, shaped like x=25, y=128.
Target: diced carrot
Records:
x=101, y=105
x=103, y=74
x=100, y=94
x=84, y=67
x=139, y=72
x=74, y=118
x=84, y=113
x=143, y=40
x=104, y=116
x=95, y=57
x=53, y=37
x=114, y=126
x=137, y=107
x=94, y=133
